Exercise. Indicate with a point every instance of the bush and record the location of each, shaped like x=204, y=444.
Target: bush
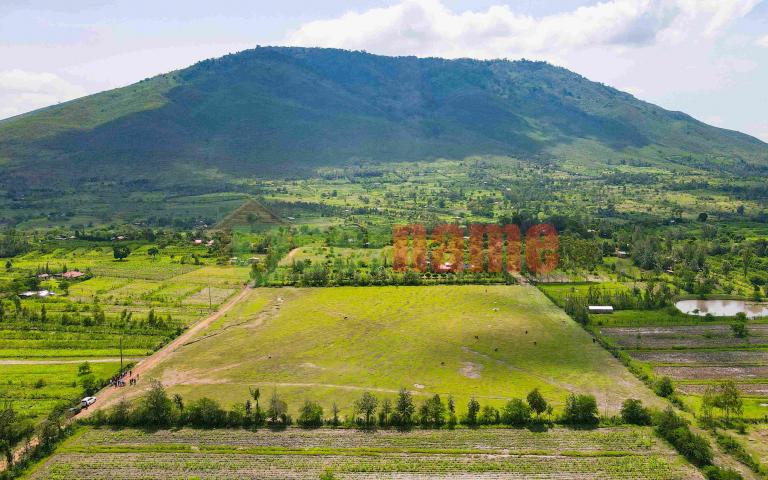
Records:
x=206, y=413
x=580, y=410
x=489, y=416
x=676, y=431
x=633, y=412
x=664, y=387
x=716, y=473
x=311, y=415
x=731, y=446
x=516, y=413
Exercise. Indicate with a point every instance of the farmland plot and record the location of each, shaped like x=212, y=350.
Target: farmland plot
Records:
x=91, y=319
x=625, y=453
x=494, y=343
x=697, y=356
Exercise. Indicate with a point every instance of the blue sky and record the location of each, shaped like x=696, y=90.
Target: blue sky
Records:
x=708, y=58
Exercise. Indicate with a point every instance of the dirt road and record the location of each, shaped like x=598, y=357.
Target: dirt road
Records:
x=103, y=397
x=107, y=393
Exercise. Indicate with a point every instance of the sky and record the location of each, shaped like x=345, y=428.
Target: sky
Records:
x=708, y=58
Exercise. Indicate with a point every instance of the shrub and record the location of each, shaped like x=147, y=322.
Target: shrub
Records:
x=473, y=408
x=516, y=413
x=311, y=415
x=580, y=410
x=716, y=473
x=633, y=412
x=489, y=416
x=676, y=431
x=156, y=408
x=664, y=387
x=206, y=413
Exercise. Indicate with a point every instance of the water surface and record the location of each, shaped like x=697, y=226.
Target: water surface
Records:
x=723, y=308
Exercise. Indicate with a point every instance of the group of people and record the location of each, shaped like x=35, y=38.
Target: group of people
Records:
x=119, y=379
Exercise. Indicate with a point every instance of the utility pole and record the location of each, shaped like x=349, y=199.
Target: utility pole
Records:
x=210, y=301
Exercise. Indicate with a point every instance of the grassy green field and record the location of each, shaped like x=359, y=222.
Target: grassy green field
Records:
x=493, y=343
x=606, y=453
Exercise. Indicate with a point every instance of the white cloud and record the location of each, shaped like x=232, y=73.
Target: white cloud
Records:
x=763, y=42
x=427, y=27
x=21, y=91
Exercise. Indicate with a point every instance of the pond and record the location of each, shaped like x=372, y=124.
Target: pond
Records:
x=723, y=308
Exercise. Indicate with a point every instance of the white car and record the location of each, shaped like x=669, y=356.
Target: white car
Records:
x=87, y=401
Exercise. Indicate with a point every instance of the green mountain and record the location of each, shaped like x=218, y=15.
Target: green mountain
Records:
x=285, y=111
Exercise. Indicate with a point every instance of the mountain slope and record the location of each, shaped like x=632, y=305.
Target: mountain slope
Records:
x=283, y=111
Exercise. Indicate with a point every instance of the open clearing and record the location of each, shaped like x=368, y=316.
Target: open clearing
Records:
x=329, y=345
x=607, y=453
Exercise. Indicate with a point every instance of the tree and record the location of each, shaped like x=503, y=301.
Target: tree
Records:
x=255, y=394
x=633, y=412
x=433, y=412
x=729, y=399
x=366, y=405
x=335, y=415
x=451, y=413
x=384, y=412
x=581, y=409
x=747, y=258
x=664, y=387
x=489, y=416
x=404, y=409
x=206, y=413
x=708, y=403
x=153, y=252
x=473, y=408
x=120, y=414
x=278, y=409
x=740, y=329
x=121, y=252
x=89, y=384
x=703, y=217
x=516, y=412
x=179, y=402
x=311, y=415
x=156, y=407
x=84, y=369
x=537, y=402
x=740, y=210
x=8, y=265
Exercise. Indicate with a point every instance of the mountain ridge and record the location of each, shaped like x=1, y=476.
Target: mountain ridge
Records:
x=277, y=111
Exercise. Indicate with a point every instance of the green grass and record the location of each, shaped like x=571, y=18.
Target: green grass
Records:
x=34, y=389
x=332, y=344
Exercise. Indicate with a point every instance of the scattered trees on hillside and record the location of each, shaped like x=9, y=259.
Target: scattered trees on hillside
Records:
x=725, y=397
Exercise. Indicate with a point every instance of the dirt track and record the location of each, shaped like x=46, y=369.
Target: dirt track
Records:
x=103, y=397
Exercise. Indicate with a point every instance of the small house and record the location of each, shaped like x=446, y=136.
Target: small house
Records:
x=72, y=274
x=600, y=309
x=622, y=254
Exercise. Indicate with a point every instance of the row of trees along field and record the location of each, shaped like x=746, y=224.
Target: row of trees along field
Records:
x=159, y=410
